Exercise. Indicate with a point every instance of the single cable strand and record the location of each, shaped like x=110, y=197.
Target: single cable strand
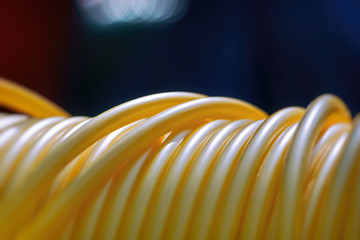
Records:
x=23, y=100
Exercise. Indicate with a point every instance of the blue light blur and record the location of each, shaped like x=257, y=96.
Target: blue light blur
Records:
x=105, y=12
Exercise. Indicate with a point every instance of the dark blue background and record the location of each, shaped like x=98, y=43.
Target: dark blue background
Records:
x=271, y=53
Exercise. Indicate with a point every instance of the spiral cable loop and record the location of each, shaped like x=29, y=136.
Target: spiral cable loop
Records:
x=178, y=165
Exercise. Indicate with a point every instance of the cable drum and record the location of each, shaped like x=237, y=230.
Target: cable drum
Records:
x=178, y=165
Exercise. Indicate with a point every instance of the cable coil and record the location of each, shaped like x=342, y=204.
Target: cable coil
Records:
x=178, y=166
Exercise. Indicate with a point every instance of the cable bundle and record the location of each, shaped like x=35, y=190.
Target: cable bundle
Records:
x=178, y=166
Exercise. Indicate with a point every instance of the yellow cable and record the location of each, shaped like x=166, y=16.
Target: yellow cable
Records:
x=23, y=100
x=178, y=166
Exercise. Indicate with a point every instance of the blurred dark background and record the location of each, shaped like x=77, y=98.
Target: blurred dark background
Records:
x=271, y=53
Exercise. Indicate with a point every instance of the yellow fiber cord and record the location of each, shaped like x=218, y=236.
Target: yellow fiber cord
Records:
x=178, y=166
x=18, y=98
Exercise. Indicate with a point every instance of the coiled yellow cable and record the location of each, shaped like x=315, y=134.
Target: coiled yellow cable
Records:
x=178, y=166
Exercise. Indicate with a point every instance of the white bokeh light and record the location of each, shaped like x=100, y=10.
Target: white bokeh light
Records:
x=104, y=12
